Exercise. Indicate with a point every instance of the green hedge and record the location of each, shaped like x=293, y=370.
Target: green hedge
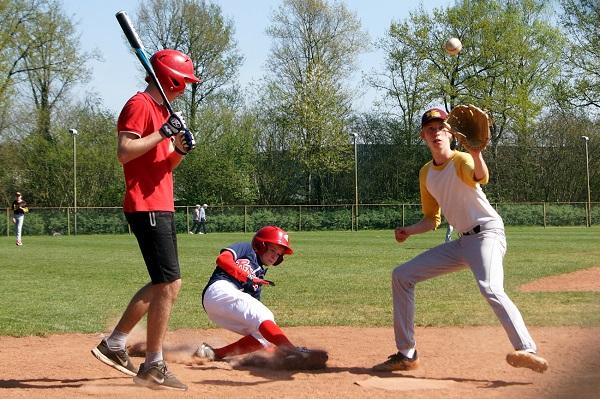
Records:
x=53, y=221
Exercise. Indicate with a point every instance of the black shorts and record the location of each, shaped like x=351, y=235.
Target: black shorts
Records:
x=156, y=236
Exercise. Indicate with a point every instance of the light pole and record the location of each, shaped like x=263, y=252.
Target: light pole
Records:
x=74, y=133
x=354, y=137
x=587, y=170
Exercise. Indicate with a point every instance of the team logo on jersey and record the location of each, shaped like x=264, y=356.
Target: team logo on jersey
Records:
x=246, y=267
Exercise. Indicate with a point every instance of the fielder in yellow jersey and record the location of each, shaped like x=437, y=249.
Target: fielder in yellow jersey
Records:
x=451, y=183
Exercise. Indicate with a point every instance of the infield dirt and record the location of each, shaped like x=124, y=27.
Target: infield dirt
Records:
x=456, y=363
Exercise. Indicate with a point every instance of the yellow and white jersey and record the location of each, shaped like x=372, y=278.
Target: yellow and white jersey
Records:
x=451, y=188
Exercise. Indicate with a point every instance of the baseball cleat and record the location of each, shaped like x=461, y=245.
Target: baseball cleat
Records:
x=398, y=362
x=528, y=360
x=116, y=359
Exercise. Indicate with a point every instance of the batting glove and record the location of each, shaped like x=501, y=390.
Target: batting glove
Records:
x=184, y=142
x=173, y=125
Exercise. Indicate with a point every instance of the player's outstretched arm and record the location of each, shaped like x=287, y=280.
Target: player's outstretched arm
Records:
x=425, y=225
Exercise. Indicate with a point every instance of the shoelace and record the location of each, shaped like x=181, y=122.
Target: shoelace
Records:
x=164, y=370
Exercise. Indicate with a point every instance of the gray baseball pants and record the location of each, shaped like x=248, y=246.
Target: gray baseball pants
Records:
x=483, y=253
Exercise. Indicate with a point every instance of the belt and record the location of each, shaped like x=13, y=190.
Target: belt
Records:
x=474, y=230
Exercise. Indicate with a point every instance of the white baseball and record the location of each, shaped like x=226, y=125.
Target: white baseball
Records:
x=453, y=46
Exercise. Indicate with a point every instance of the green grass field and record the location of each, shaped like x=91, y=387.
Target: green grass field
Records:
x=82, y=284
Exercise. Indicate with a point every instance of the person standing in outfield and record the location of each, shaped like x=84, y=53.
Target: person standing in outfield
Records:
x=451, y=182
x=231, y=297
x=150, y=146
x=203, y=219
x=196, y=220
x=19, y=207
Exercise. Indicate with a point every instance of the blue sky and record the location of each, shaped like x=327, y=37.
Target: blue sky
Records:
x=118, y=77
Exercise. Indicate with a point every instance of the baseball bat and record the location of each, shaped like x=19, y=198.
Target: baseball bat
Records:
x=140, y=52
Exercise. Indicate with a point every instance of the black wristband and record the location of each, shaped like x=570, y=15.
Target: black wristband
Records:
x=165, y=132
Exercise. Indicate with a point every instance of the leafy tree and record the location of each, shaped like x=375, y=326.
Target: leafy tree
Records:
x=9, y=175
x=581, y=86
x=314, y=50
x=100, y=180
x=510, y=57
x=561, y=159
x=388, y=160
x=48, y=176
x=198, y=29
x=54, y=63
x=558, y=160
x=405, y=82
x=221, y=169
x=16, y=42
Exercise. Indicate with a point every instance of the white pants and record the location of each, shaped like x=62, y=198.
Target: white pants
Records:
x=234, y=310
x=483, y=254
x=19, y=226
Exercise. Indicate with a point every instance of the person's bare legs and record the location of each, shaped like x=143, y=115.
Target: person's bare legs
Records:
x=159, y=313
x=136, y=309
x=112, y=350
x=157, y=300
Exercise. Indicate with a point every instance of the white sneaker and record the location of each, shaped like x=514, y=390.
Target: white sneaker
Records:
x=528, y=360
x=191, y=232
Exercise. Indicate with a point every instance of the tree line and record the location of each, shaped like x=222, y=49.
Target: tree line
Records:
x=289, y=138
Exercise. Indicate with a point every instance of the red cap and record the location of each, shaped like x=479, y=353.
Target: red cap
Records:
x=433, y=114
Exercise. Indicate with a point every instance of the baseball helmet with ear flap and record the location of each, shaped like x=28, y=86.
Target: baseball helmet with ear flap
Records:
x=173, y=70
x=273, y=235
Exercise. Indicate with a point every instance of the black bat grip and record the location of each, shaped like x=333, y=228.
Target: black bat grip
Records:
x=130, y=33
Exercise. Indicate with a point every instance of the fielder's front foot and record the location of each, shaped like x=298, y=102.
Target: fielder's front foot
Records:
x=528, y=360
x=398, y=362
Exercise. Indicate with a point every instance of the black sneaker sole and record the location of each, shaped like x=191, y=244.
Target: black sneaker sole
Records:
x=100, y=356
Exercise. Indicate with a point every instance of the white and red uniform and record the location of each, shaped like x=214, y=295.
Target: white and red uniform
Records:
x=234, y=305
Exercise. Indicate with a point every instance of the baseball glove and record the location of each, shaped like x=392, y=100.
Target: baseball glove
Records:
x=470, y=125
x=298, y=358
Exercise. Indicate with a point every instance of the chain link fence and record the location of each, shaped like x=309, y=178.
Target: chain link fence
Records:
x=249, y=218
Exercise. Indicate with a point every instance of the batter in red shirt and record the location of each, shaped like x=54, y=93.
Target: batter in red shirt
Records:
x=150, y=146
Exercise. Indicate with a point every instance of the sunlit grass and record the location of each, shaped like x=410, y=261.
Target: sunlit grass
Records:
x=83, y=283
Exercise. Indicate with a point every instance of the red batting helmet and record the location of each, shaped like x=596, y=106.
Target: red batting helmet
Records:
x=273, y=235
x=173, y=70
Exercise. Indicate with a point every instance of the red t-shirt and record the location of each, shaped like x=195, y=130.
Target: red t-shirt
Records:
x=149, y=177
